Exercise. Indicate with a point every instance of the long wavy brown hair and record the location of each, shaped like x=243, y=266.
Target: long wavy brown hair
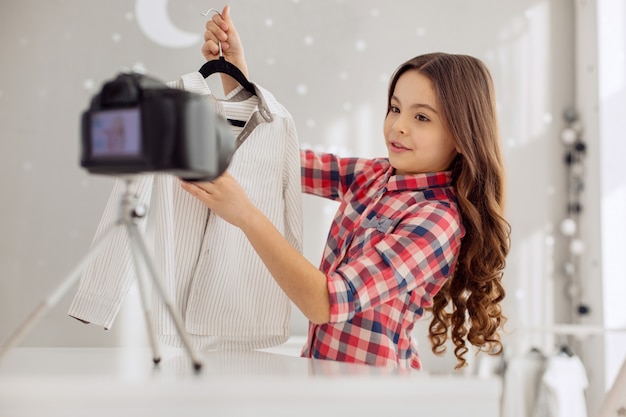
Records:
x=467, y=308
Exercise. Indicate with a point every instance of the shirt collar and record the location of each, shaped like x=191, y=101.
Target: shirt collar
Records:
x=265, y=107
x=196, y=83
x=417, y=182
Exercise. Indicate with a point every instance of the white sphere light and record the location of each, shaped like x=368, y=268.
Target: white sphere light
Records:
x=577, y=126
x=569, y=268
x=577, y=247
x=568, y=227
x=569, y=136
x=577, y=169
x=573, y=290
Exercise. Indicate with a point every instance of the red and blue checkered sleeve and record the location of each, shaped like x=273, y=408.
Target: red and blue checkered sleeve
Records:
x=326, y=175
x=418, y=255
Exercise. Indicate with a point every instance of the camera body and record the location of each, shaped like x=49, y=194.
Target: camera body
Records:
x=138, y=124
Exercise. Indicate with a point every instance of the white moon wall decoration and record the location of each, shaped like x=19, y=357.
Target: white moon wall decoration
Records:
x=154, y=21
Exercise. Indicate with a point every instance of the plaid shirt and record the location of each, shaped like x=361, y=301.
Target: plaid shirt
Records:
x=394, y=241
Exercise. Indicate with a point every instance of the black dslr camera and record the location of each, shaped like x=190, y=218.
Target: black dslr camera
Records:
x=138, y=124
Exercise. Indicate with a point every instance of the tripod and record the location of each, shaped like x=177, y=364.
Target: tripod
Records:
x=130, y=213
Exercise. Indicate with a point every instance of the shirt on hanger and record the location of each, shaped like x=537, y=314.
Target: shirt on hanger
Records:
x=521, y=384
x=562, y=388
x=225, y=295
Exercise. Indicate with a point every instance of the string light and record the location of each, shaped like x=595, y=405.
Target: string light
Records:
x=575, y=149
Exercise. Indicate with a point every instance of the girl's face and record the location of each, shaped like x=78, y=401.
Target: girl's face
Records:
x=416, y=138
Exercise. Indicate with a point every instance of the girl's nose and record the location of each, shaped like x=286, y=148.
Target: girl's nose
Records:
x=400, y=125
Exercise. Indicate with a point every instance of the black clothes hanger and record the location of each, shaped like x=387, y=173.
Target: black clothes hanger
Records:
x=566, y=350
x=225, y=67
x=222, y=66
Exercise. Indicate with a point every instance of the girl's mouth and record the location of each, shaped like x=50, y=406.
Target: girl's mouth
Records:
x=397, y=147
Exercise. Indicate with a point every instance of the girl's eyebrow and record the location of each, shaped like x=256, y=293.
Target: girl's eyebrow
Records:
x=417, y=105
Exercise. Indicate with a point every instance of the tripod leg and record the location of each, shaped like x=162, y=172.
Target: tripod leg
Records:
x=145, y=297
x=49, y=302
x=136, y=237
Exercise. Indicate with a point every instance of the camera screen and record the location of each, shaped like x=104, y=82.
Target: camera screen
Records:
x=116, y=133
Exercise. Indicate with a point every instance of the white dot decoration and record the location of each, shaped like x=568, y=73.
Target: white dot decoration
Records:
x=361, y=45
x=308, y=40
x=116, y=37
x=139, y=68
x=547, y=118
x=269, y=22
x=302, y=89
x=89, y=84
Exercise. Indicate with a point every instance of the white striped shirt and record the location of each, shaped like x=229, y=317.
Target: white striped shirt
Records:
x=226, y=296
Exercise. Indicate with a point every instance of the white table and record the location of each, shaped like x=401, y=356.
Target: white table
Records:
x=118, y=382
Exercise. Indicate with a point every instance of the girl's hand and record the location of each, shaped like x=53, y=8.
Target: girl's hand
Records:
x=224, y=197
x=220, y=28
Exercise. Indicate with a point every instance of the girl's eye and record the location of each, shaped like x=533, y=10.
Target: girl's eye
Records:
x=422, y=118
x=394, y=109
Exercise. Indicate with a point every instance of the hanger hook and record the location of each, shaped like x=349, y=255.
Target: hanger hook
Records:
x=219, y=43
x=211, y=10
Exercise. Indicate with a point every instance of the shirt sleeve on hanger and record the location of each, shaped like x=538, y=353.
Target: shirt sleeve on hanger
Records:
x=109, y=276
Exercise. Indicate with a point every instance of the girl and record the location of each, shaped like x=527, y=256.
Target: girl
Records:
x=420, y=230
